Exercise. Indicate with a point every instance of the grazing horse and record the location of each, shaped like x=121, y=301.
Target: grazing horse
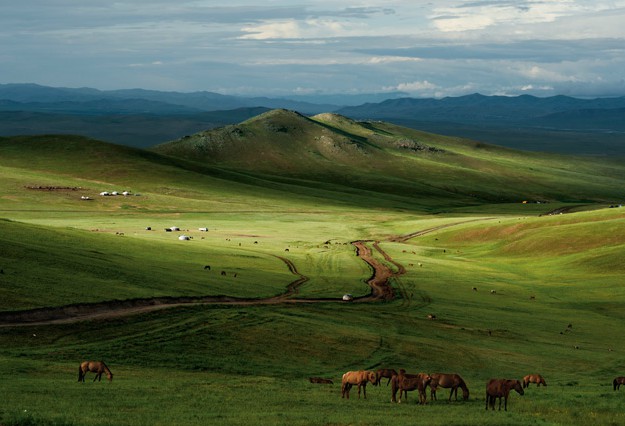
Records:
x=533, y=378
x=453, y=381
x=498, y=388
x=360, y=378
x=385, y=372
x=617, y=382
x=409, y=382
x=320, y=380
x=97, y=367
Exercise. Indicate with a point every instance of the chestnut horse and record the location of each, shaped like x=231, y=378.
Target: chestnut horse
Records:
x=453, y=381
x=409, y=382
x=533, y=378
x=498, y=388
x=97, y=367
x=359, y=378
x=385, y=372
x=617, y=382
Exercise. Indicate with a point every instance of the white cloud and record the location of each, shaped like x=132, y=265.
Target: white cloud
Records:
x=416, y=86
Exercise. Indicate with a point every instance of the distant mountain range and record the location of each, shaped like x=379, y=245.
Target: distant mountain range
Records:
x=143, y=118
x=556, y=111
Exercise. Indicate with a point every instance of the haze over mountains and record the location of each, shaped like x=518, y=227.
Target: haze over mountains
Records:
x=145, y=118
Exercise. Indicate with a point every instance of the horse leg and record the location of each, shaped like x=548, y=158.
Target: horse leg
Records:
x=364, y=390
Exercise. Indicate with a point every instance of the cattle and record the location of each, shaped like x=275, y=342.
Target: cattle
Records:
x=207, y=267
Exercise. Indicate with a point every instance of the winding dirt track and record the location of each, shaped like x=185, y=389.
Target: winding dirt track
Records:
x=380, y=290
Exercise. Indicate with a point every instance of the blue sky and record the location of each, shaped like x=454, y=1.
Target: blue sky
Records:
x=277, y=47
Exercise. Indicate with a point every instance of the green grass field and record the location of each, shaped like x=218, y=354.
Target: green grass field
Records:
x=556, y=307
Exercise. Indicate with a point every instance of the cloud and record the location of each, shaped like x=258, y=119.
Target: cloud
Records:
x=416, y=86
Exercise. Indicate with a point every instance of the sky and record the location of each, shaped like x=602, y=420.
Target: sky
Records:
x=281, y=48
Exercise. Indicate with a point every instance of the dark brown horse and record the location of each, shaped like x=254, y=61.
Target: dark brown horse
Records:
x=617, y=382
x=321, y=380
x=359, y=378
x=500, y=388
x=533, y=378
x=408, y=382
x=385, y=372
x=450, y=381
x=97, y=367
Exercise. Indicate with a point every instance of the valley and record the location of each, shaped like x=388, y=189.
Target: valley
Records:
x=501, y=263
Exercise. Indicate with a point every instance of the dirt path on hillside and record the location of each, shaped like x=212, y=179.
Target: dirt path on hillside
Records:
x=379, y=284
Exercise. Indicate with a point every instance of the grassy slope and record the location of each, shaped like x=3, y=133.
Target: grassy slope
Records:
x=396, y=160
x=223, y=364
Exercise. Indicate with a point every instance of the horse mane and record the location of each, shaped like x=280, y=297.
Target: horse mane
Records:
x=106, y=367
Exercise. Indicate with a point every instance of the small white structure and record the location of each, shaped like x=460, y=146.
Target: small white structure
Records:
x=174, y=228
x=203, y=229
x=348, y=297
x=105, y=193
x=114, y=193
x=84, y=197
x=184, y=238
x=125, y=193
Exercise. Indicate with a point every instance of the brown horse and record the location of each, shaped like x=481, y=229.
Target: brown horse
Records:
x=321, y=380
x=498, y=388
x=452, y=381
x=97, y=367
x=385, y=372
x=533, y=378
x=359, y=378
x=409, y=382
x=617, y=382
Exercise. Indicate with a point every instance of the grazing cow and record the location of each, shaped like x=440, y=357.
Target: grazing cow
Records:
x=360, y=378
x=533, y=378
x=409, y=382
x=207, y=267
x=386, y=373
x=223, y=273
x=500, y=388
x=321, y=380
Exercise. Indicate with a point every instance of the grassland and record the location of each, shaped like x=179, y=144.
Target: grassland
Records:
x=244, y=364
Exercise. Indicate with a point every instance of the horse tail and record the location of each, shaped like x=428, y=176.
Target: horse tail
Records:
x=614, y=383
x=80, y=375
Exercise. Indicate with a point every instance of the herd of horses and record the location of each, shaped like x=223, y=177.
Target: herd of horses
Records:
x=403, y=382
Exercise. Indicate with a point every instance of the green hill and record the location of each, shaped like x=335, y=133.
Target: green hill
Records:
x=483, y=287
x=394, y=160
